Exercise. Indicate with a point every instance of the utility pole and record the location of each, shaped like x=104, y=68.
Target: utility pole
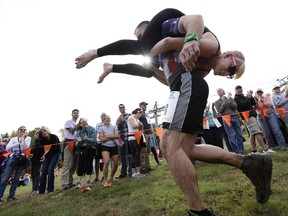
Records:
x=156, y=112
x=283, y=81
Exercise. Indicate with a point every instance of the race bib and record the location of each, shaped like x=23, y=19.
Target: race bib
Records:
x=171, y=106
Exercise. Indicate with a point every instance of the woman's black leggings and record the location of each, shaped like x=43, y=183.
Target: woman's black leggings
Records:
x=151, y=36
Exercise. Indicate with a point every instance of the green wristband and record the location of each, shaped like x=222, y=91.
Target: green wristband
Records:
x=190, y=37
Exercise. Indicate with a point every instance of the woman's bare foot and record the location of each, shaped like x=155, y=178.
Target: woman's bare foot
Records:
x=84, y=59
x=107, y=68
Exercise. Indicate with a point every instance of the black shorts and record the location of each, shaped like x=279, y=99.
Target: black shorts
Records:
x=111, y=150
x=188, y=114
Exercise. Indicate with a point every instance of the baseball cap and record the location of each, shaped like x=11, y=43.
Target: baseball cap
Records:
x=238, y=86
x=276, y=86
x=143, y=103
x=259, y=90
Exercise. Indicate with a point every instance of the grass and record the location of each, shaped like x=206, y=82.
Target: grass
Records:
x=225, y=189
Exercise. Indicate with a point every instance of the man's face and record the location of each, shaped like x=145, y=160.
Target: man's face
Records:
x=220, y=92
x=140, y=31
x=122, y=108
x=276, y=90
x=75, y=115
x=239, y=91
x=103, y=115
x=143, y=107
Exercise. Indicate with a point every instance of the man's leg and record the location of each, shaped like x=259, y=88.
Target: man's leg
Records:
x=258, y=168
x=123, y=157
x=181, y=167
x=231, y=136
x=148, y=147
x=68, y=165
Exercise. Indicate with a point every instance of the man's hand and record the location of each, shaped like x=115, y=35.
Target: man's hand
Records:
x=229, y=95
x=189, y=54
x=249, y=94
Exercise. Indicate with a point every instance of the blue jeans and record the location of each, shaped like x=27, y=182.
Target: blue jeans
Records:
x=234, y=134
x=48, y=166
x=9, y=168
x=273, y=128
x=125, y=158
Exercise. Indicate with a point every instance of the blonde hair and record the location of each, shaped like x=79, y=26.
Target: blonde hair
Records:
x=39, y=132
x=241, y=60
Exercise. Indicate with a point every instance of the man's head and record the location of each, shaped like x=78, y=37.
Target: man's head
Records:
x=220, y=92
x=276, y=89
x=140, y=29
x=103, y=116
x=75, y=114
x=238, y=90
x=259, y=92
x=107, y=120
x=121, y=108
x=231, y=64
x=143, y=106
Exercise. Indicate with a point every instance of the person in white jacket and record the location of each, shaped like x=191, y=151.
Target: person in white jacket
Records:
x=16, y=145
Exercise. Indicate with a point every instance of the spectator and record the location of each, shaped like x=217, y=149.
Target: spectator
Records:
x=247, y=103
x=145, y=149
x=98, y=156
x=86, y=144
x=269, y=116
x=16, y=145
x=153, y=149
x=70, y=160
x=3, y=156
x=227, y=106
x=36, y=163
x=213, y=133
x=280, y=101
x=24, y=180
x=134, y=124
x=125, y=154
x=51, y=158
x=107, y=134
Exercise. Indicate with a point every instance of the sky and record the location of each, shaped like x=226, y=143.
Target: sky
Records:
x=40, y=40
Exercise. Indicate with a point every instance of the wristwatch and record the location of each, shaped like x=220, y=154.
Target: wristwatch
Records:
x=190, y=37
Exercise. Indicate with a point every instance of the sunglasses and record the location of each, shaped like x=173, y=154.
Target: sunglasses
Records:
x=22, y=129
x=122, y=107
x=232, y=70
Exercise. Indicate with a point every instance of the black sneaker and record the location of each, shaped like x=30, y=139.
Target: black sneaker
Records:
x=258, y=168
x=206, y=213
x=120, y=176
x=96, y=180
x=11, y=199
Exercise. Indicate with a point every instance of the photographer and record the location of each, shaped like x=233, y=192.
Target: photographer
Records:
x=16, y=144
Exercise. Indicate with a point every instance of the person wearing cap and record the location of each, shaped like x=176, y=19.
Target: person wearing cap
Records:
x=145, y=149
x=280, y=101
x=267, y=118
x=247, y=103
x=227, y=106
